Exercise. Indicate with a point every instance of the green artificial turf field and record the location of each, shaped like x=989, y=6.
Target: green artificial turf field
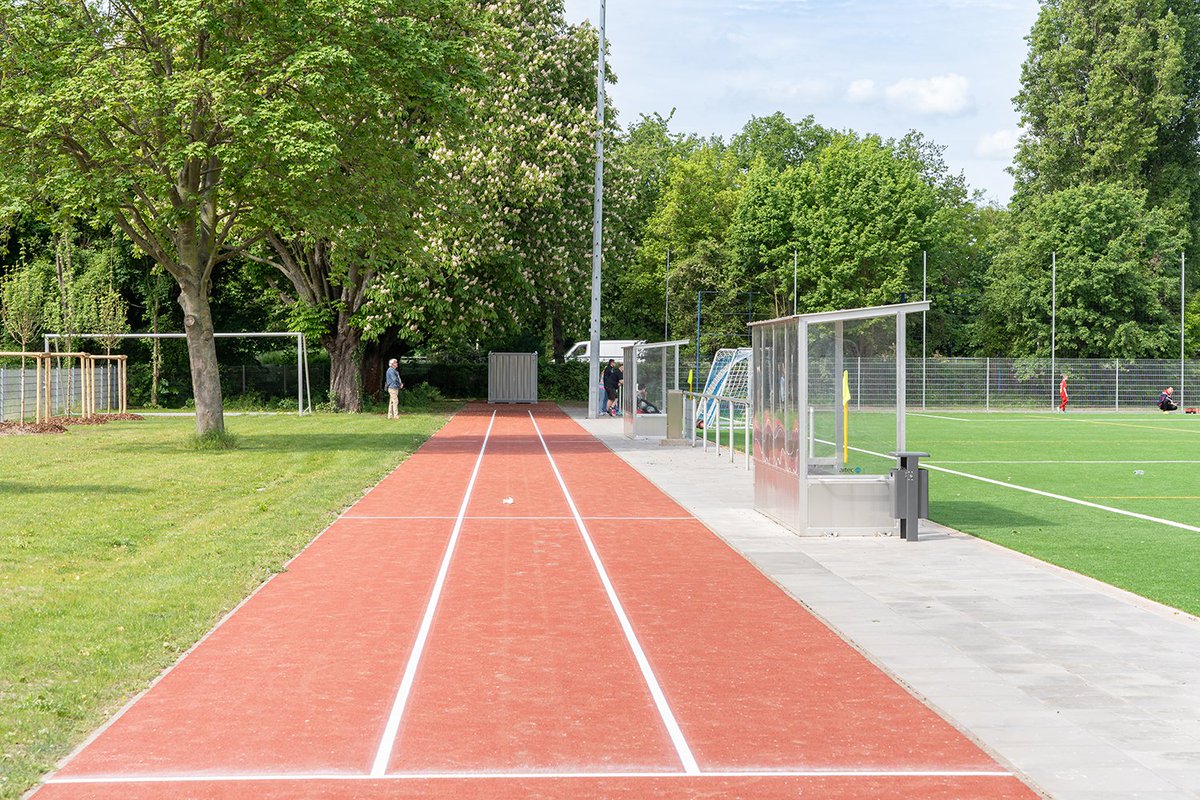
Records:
x=1142, y=463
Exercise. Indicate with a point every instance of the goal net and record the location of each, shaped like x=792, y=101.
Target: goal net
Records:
x=729, y=376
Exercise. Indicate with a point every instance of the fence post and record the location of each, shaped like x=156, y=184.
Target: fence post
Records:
x=1117, y=380
x=746, y=433
x=858, y=386
x=717, y=441
x=2, y=395
x=987, y=384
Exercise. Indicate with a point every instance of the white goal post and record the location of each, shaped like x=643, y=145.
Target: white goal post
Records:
x=303, y=389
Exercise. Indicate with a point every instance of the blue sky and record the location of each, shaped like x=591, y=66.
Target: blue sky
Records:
x=948, y=68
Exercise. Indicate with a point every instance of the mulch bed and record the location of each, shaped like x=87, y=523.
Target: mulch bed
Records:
x=60, y=424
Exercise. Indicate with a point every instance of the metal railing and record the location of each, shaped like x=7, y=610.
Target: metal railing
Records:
x=731, y=424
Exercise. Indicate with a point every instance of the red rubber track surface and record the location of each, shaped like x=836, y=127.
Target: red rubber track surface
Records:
x=526, y=685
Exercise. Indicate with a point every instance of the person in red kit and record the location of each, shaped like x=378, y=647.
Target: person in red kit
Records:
x=1062, y=392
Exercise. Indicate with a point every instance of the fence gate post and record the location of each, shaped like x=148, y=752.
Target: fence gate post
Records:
x=1117, y=380
x=987, y=385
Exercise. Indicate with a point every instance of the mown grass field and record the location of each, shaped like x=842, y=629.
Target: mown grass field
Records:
x=120, y=546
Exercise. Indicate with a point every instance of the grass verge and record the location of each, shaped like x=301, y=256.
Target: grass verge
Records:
x=121, y=545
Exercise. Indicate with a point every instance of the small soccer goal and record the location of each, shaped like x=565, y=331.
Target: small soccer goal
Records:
x=729, y=376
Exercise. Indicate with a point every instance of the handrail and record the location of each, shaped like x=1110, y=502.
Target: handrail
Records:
x=697, y=397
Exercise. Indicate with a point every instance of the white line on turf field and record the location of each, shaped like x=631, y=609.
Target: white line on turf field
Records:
x=1052, y=495
x=937, y=416
x=524, y=776
x=660, y=700
x=1093, y=461
x=384, y=754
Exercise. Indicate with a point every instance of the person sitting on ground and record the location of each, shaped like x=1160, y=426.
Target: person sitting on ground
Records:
x=1165, y=400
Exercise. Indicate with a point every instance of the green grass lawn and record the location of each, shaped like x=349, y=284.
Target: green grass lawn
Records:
x=120, y=546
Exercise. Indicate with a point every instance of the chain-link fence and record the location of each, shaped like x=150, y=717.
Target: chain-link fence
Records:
x=1025, y=383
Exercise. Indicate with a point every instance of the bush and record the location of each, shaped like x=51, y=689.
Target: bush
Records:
x=563, y=382
x=420, y=396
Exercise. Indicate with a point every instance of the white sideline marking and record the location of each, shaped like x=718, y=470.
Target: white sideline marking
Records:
x=1052, y=495
x=690, y=766
x=1093, y=461
x=388, y=742
x=936, y=416
x=439, y=776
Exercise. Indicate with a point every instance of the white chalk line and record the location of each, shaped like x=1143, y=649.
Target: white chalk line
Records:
x=524, y=776
x=938, y=416
x=660, y=701
x=1075, y=461
x=1052, y=495
x=388, y=742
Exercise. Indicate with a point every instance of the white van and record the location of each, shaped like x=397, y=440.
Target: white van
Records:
x=609, y=348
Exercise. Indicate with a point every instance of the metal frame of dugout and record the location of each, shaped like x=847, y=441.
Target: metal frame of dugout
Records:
x=651, y=370
x=800, y=480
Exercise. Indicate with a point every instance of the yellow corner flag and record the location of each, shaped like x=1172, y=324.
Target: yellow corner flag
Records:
x=845, y=416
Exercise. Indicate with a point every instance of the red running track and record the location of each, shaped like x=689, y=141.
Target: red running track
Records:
x=514, y=612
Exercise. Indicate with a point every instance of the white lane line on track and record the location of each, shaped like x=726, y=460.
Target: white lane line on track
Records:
x=688, y=760
x=384, y=754
x=476, y=776
x=554, y=518
x=1122, y=512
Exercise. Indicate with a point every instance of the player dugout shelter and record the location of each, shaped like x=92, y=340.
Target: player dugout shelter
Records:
x=821, y=463
x=651, y=370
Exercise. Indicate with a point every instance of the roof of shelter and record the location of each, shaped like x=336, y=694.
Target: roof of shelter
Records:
x=852, y=313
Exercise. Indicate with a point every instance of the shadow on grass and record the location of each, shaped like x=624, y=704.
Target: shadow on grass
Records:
x=67, y=488
x=967, y=514
x=286, y=443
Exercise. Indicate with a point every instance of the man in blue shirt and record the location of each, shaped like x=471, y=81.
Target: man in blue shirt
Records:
x=394, y=385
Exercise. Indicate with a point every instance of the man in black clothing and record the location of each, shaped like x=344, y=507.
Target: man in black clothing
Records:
x=1165, y=401
x=612, y=383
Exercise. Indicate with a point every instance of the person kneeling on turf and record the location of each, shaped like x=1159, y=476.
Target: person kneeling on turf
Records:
x=1165, y=401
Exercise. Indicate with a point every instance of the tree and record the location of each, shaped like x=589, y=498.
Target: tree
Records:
x=190, y=125
x=1111, y=93
x=637, y=170
x=861, y=216
x=778, y=141
x=1117, y=276
x=506, y=243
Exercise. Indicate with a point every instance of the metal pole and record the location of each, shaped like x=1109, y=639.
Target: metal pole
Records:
x=795, y=267
x=699, y=295
x=901, y=401
x=924, y=296
x=1053, y=323
x=1182, y=318
x=667, y=300
x=597, y=229
x=299, y=379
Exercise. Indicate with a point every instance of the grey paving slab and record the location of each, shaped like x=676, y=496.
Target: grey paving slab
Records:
x=1088, y=692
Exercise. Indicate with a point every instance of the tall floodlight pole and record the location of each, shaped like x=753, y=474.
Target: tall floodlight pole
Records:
x=667, y=300
x=795, y=267
x=597, y=230
x=1053, y=320
x=924, y=296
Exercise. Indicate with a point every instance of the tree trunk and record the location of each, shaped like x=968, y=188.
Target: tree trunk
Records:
x=558, y=345
x=202, y=357
x=342, y=345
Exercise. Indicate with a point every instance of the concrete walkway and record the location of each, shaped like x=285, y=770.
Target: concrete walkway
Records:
x=1089, y=692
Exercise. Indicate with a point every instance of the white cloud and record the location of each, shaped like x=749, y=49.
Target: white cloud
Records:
x=939, y=96
x=862, y=91
x=998, y=146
